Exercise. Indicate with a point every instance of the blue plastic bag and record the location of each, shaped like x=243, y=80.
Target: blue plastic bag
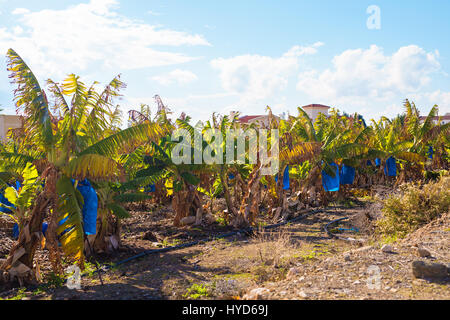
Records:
x=430, y=152
x=150, y=188
x=16, y=230
x=5, y=201
x=231, y=176
x=347, y=175
x=391, y=167
x=44, y=228
x=331, y=183
x=90, y=207
x=286, y=180
x=377, y=162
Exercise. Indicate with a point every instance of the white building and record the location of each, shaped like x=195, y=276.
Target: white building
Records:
x=258, y=119
x=8, y=122
x=444, y=119
x=313, y=110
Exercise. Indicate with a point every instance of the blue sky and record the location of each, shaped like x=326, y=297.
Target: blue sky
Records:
x=221, y=56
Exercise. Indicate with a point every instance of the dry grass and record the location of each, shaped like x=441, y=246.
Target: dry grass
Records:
x=275, y=248
x=273, y=253
x=414, y=207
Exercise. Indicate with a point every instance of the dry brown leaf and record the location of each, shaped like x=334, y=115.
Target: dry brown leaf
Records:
x=18, y=254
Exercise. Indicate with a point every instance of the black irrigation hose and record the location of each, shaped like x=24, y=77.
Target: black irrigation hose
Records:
x=332, y=235
x=246, y=231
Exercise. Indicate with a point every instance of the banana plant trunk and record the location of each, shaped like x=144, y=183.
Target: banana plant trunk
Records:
x=185, y=203
x=107, y=238
x=226, y=192
x=249, y=209
x=20, y=262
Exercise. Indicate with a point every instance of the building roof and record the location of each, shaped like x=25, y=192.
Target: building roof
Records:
x=246, y=119
x=446, y=117
x=315, y=105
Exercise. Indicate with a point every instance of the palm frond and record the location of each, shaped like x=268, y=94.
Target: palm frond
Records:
x=349, y=150
x=91, y=166
x=409, y=156
x=14, y=162
x=309, y=127
x=183, y=124
x=143, y=181
x=70, y=230
x=434, y=132
x=131, y=197
x=429, y=122
x=131, y=137
x=61, y=103
x=363, y=135
x=300, y=153
x=112, y=89
x=118, y=210
x=30, y=99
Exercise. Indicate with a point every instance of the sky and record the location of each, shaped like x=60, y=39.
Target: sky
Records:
x=220, y=56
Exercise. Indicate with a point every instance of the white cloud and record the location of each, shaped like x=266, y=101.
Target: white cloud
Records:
x=257, y=77
x=57, y=42
x=176, y=76
x=366, y=108
x=198, y=106
x=17, y=30
x=440, y=98
x=18, y=11
x=370, y=74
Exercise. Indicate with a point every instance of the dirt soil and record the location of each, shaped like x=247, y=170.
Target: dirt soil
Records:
x=297, y=261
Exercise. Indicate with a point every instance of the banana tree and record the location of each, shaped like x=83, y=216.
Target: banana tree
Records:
x=221, y=125
x=181, y=179
x=72, y=144
x=333, y=139
x=244, y=202
x=425, y=134
x=112, y=197
x=21, y=198
x=389, y=141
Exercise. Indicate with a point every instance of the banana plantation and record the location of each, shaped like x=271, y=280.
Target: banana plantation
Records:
x=73, y=174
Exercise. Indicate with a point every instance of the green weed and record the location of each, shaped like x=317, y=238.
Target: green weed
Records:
x=197, y=291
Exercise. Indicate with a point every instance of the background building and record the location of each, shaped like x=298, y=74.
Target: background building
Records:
x=313, y=110
x=444, y=119
x=9, y=122
x=259, y=119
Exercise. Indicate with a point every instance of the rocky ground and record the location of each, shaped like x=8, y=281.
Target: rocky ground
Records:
x=371, y=272
x=297, y=261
